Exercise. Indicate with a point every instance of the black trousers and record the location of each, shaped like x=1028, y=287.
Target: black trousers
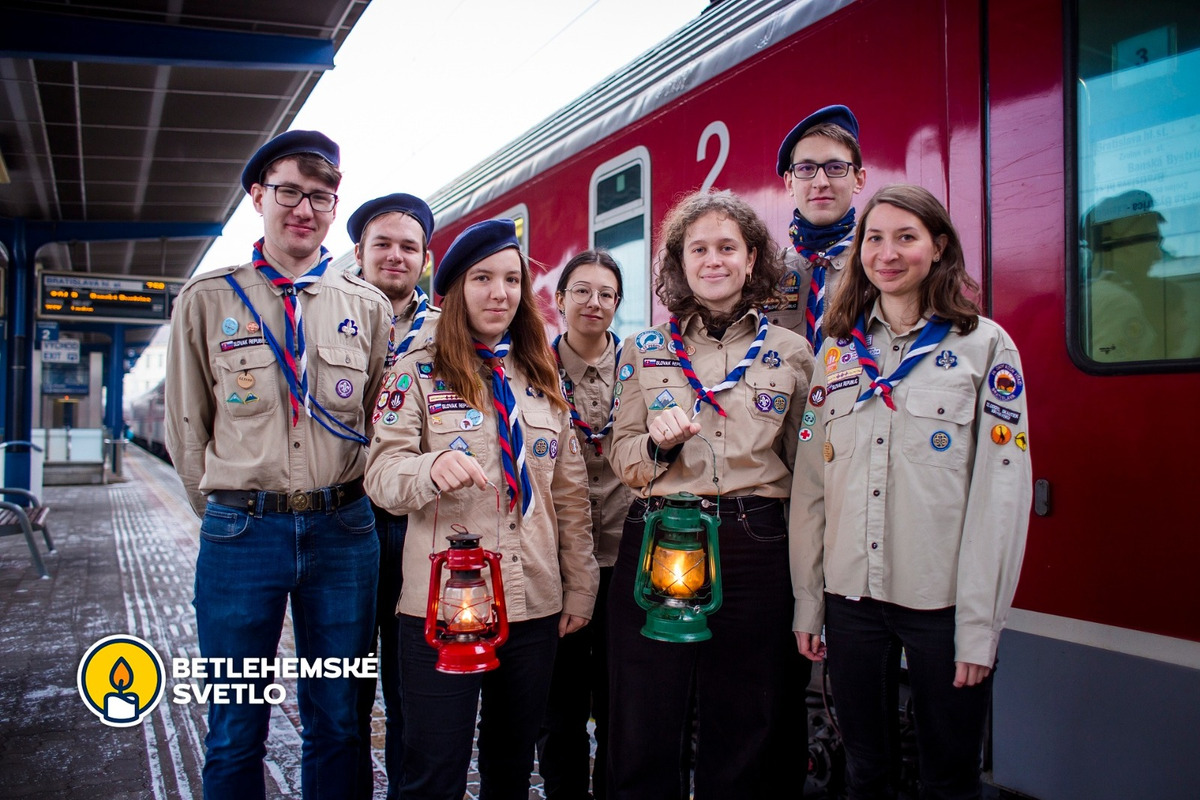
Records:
x=865, y=638
x=578, y=692
x=748, y=680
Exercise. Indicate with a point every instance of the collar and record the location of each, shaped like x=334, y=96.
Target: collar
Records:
x=576, y=366
x=410, y=310
x=876, y=318
x=693, y=325
x=312, y=288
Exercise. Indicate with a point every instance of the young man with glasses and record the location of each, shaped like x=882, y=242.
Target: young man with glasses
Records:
x=821, y=166
x=391, y=237
x=271, y=374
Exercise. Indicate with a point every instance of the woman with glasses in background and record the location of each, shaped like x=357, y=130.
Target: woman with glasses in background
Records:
x=588, y=294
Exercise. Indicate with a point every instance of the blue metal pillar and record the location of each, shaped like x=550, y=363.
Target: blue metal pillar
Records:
x=17, y=420
x=114, y=417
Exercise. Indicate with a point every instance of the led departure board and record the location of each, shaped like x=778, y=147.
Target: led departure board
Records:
x=107, y=298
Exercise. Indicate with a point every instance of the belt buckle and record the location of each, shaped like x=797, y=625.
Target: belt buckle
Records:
x=299, y=501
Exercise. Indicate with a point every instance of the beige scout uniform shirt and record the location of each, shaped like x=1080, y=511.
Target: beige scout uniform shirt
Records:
x=548, y=565
x=593, y=389
x=402, y=323
x=755, y=443
x=229, y=420
x=926, y=506
x=795, y=285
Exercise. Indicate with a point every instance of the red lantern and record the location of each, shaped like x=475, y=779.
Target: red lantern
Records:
x=465, y=621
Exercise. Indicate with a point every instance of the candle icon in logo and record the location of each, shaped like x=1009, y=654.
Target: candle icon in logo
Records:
x=120, y=706
x=120, y=679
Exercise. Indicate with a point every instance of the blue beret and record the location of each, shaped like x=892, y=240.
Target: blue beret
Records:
x=289, y=144
x=415, y=207
x=835, y=115
x=472, y=246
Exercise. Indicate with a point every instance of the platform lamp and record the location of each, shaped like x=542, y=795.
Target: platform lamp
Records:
x=679, y=570
x=465, y=621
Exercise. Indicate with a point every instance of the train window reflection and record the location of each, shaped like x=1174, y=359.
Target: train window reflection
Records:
x=1138, y=139
x=620, y=222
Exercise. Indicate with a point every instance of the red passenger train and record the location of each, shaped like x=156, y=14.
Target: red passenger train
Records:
x=1065, y=140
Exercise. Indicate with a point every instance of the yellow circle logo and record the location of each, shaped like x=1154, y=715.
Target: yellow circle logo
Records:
x=121, y=679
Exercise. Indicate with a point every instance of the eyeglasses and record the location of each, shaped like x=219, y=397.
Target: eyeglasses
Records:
x=581, y=293
x=806, y=170
x=290, y=197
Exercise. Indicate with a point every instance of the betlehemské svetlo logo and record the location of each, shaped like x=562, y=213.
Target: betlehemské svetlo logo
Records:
x=121, y=680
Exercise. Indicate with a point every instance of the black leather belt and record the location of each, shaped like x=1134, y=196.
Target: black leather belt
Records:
x=744, y=504
x=326, y=499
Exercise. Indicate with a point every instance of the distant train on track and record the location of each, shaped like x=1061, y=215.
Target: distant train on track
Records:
x=1065, y=140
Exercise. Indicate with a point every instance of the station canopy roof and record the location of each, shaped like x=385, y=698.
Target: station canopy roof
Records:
x=125, y=124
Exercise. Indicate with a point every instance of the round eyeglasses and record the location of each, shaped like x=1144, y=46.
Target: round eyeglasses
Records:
x=806, y=170
x=290, y=197
x=581, y=293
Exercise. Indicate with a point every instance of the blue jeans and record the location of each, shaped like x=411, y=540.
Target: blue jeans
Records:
x=440, y=712
x=248, y=566
x=391, y=530
x=864, y=638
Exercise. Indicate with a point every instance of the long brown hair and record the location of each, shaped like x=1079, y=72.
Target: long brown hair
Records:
x=761, y=287
x=944, y=290
x=455, y=359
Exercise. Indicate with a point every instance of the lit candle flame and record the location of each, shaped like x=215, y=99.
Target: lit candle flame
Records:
x=121, y=676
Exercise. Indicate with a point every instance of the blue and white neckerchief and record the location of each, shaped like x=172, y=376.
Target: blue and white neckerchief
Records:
x=292, y=358
x=818, y=244
x=703, y=393
x=422, y=312
x=593, y=437
x=508, y=427
x=931, y=335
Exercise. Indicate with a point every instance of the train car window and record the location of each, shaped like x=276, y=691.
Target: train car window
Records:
x=619, y=221
x=1137, y=287
x=519, y=214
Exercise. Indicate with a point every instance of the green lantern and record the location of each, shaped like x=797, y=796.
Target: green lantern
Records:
x=679, y=576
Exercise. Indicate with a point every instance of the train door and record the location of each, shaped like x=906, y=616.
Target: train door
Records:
x=1095, y=270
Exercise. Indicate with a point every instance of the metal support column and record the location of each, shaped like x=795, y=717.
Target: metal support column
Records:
x=17, y=420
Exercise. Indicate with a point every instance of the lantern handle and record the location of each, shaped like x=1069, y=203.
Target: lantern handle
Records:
x=715, y=477
x=437, y=504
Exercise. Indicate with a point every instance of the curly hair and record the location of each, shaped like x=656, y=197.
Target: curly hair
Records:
x=944, y=290
x=456, y=361
x=761, y=287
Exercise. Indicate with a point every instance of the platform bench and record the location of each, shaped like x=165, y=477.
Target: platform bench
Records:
x=24, y=520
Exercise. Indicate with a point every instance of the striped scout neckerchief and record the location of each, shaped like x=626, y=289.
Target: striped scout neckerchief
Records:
x=703, y=393
x=931, y=335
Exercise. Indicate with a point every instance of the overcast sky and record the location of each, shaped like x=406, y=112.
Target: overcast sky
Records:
x=423, y=91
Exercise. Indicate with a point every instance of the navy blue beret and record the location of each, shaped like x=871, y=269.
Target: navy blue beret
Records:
x=835, y=115
x=472, y=246
x=415, y=207
x=289, y=144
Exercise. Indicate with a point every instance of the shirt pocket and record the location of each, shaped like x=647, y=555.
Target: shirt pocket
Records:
x=341, y=377
x=663, y=387
x=541, y=440
x=937, y=426
x=840, y=428
x=769, y=395
x=247, y=382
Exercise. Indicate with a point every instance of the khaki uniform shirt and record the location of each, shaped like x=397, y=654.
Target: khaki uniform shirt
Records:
x=402, y=323
x=593, y=390
x=755, y=443
x=797, y=279
x=548, y=564
x=926, y=506
x=228, y=417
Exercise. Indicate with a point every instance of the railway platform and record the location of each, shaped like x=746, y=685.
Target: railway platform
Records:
x=125, y=564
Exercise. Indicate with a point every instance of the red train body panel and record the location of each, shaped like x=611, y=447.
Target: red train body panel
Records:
x=966, y=99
